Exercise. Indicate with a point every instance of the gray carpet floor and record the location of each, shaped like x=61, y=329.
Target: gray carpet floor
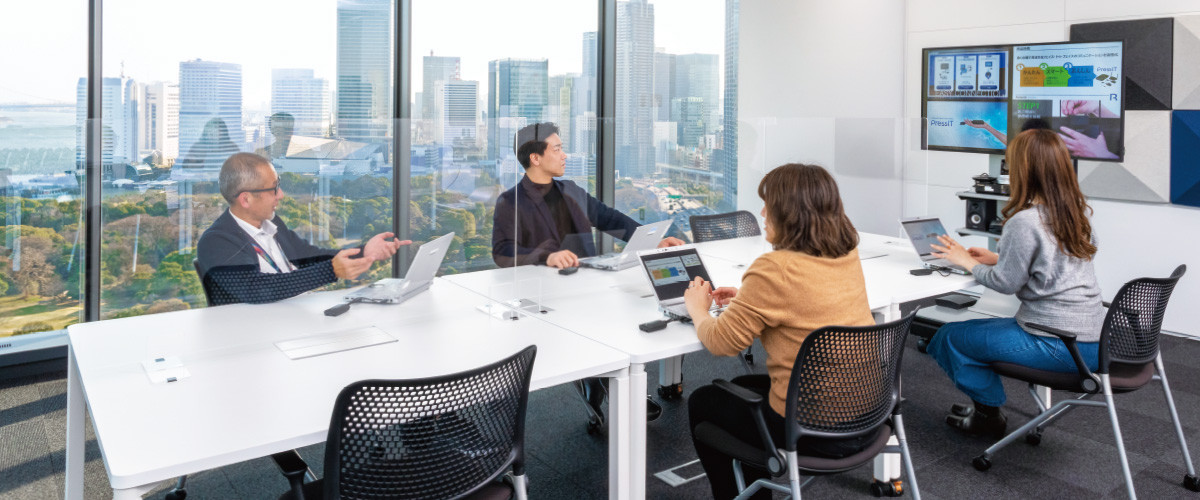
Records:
x=1077, y=458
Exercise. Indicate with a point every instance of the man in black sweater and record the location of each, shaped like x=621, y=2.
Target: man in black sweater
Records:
x=249, y=255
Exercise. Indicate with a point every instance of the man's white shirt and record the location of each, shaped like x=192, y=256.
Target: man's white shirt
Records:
x=265, y=237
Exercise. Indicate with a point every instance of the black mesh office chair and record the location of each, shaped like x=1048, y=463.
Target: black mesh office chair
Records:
x=739, y=224
x=714, y=227
x=1129, y=359
x=451, y=436
x=845, y=383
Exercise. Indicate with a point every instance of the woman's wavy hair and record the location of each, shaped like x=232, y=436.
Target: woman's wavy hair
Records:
x=1041, y=172
x=805, y=211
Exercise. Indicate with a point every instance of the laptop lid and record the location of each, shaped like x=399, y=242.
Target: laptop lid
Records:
x=671, y=269
x=923, y=232
x=429, y=258
x=647, y=237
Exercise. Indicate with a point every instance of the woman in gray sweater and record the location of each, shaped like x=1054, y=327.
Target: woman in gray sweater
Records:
x=1045, y=258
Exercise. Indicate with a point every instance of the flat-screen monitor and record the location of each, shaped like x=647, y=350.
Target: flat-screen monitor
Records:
x=1075, y=89
x=964, y=98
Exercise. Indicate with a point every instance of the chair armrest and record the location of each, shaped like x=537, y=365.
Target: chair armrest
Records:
x=753, y=403
x=293, y=468
x=1068, y=339
x=1106, y=304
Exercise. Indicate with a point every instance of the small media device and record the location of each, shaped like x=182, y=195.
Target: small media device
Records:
x=670, y=271
x=923, y=233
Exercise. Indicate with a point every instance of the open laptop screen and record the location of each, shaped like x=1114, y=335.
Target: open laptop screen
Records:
x=670, y=270
x=923, y=233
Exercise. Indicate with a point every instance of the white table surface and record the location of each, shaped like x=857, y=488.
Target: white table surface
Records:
x=245, y=399
x=608, y=306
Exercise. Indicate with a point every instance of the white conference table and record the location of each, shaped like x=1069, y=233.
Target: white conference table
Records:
x=608, y=307
x=245, y=399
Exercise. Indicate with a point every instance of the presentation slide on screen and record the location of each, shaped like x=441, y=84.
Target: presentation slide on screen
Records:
x=967, y=73
x=966, y=124
x=1074, y=89
x=667, y=271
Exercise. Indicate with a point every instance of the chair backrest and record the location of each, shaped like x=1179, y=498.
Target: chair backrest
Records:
x=845, y=381
x=439, y=437
x=1134, y=320
x=205, y=283
x=723, y=226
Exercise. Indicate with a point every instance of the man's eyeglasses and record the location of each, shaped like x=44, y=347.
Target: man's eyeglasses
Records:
x=273, y=190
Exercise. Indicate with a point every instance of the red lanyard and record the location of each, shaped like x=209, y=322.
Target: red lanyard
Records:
x=266, y=256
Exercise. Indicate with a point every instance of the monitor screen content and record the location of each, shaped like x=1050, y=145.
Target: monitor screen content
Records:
x=965, y=98
x=923, y=233
x=1075, y=89
x=671, y=272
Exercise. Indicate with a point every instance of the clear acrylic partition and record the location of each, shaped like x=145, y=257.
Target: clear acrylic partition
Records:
x=41, y=184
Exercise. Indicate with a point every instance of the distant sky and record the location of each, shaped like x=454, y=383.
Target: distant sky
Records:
x=151, y=37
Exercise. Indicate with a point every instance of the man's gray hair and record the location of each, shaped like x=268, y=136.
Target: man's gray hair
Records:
x=239, y=174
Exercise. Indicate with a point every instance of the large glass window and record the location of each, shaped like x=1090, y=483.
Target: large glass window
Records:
x=307, y=85
x=676, y=109
x=41, y=190
x=481, y=70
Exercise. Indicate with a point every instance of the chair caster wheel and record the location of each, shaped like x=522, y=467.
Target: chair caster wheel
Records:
x=982, y=463
x=594, y=426
x=893, y=488
x=923, y=345
x=669, y=392
x=1034, y=437
x=1191, y=482
x=176, y=495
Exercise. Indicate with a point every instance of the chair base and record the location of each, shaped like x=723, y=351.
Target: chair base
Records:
x=892, y=488
x=1191, y=482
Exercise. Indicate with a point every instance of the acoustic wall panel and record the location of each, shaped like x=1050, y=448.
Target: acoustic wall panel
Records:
x=1145, y=174
x=1186, y=94
x=1185, y=158
x=1148, y=57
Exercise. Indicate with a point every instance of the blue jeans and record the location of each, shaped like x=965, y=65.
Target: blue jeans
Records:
x=965, y=348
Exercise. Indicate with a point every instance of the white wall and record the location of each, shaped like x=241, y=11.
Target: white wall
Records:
x=837, y=83
x=821, y=82
x=1135, y=239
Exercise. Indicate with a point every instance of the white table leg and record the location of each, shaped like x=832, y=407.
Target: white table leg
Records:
x=618, y=435
x=75, y=425
x=637, y=431
x=670, y=371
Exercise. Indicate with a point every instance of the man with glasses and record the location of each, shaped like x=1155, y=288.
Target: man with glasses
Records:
x=249, y=254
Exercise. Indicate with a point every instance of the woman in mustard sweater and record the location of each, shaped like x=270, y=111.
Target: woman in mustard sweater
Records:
x=812, y=279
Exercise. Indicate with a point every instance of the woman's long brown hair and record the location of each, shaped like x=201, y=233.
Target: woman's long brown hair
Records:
x=1041, y=173
x=805, y=211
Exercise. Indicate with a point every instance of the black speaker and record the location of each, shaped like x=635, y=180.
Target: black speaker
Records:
x=980, y=213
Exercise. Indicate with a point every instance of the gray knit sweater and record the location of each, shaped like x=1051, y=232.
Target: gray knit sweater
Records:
x=1055, y=289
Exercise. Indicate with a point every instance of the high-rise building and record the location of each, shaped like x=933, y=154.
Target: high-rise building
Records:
x=210, y=113
x=635, y=88
x=583, y=103
x=160, y=119
x=455, y=107
x=364, y=70
x=696, y=76
x=729, y=140
x=560, y=105
x=664, y=85
x=517, y=95
x=435, y=69
x=297, y=93
x=690, y=121
x=119, y=133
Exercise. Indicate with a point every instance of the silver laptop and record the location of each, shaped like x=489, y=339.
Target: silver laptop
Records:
x=670, y=271
x=418, y=278
x=645, y=238
x=923, y=232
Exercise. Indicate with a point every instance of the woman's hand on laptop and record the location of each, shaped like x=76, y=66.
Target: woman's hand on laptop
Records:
x=723, y=295
x=984, y=256
x=953, y=252
x=698, y=298
x=562, y=259
x=670, y=241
